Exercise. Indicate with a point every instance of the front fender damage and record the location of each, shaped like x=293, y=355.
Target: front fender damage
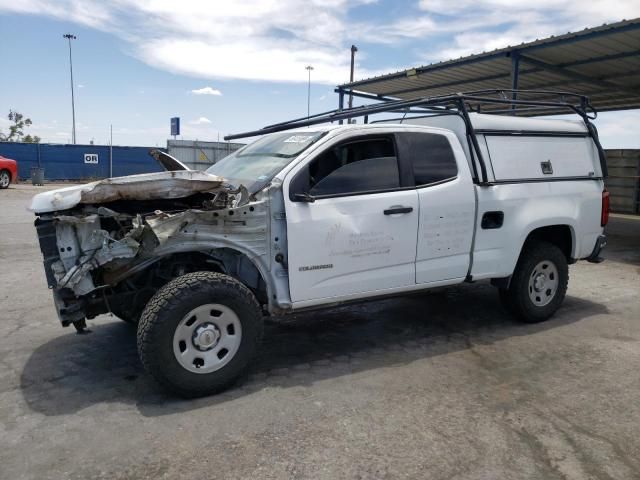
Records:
x=99, y=247
x=84, y=247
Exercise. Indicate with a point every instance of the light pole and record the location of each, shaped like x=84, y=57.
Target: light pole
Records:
x=354, y=49
x=70, y=37
x=309, y=68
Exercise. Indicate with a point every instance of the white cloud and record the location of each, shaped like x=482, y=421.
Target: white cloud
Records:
x=206, y=91
x=92, y=13
x=619, y=129
x=475, y=26
x=251, y=40
x=80, y=85
x=200, y=121
x=274, y=40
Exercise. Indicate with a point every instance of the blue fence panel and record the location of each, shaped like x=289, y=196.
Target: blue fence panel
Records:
x=67, y=162
x=133, y=160
x=24, y=153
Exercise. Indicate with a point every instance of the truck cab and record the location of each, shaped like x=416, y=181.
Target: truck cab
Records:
x=375, y=209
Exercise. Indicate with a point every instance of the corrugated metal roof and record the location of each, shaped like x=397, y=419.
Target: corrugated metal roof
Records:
x=602, y=63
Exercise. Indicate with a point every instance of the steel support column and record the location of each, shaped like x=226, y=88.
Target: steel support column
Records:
x=515, y=74
x=340, y=101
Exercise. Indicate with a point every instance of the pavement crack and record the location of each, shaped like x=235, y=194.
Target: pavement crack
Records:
x=540, y=453
x=620, y=454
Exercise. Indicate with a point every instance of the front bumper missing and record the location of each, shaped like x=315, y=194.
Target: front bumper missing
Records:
x=595, y=257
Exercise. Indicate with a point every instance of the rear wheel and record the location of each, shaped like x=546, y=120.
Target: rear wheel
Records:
x=539, y=283
x=5, y=179
x=199, y=333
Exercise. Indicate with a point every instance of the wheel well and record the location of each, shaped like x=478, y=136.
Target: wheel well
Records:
x=140, y=287
x=559, y=235
x=222, y=260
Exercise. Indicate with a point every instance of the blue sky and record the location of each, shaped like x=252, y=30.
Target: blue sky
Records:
x=139, y=62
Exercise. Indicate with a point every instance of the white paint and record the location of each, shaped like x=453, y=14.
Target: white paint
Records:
x=329, y=232
x=520, y=157
x=360, y=248
x=482, y=121
x=528, y=206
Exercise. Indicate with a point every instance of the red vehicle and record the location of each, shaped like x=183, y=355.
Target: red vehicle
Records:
x=8, y=171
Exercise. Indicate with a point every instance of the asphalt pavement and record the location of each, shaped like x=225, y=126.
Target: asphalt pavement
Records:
x=443, y=385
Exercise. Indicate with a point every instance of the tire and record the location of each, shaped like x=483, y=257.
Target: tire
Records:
x=5, y=179
x=539, y=283
x=187, y=326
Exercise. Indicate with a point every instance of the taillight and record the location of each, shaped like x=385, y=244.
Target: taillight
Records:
x=604, y=217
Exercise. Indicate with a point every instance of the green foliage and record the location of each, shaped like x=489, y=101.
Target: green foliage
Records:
x=30, y=139
x=16, y=129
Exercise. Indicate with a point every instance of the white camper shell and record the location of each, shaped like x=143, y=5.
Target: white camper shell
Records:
x=512, y=142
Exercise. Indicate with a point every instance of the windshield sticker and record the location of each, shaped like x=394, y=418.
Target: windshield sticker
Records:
x=299, y=139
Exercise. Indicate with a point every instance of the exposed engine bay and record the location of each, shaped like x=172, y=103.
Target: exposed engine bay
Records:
x=121, y=241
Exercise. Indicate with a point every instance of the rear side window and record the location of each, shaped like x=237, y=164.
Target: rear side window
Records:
x=366, y=164
x=430, y=155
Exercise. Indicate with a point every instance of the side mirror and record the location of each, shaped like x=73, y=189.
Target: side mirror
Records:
x=304, y=197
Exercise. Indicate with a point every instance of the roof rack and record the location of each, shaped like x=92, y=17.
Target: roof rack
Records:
x=497, y=101
x=485, y=101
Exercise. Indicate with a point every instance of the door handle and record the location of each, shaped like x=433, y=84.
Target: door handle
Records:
x=395, y=210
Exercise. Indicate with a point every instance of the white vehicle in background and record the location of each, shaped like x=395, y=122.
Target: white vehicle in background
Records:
x=320, y=216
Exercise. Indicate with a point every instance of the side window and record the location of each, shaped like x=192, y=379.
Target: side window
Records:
x=431, y=156
x=363, y=165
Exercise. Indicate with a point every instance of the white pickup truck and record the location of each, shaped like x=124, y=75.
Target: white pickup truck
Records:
x=323, y=215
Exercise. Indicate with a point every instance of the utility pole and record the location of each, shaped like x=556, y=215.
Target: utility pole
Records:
x=309, y=68
x=70, y=37
x=354, y=49
x=110, y=151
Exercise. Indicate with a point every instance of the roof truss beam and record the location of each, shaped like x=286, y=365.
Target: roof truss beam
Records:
x=500, y=76
x=626, y=26
x=576, y=76
x=636, y=88
x=538, y=86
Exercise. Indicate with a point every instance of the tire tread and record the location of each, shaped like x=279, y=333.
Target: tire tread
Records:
x=515, y=298
x=168, y=298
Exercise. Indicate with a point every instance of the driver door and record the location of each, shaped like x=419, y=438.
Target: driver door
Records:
x=352, y=222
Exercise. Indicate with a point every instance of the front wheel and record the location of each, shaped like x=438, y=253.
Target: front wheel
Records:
x=199, y=333
x=5, y=179
x=539, y=283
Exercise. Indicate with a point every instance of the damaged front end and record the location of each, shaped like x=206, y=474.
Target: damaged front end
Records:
x=110, y=245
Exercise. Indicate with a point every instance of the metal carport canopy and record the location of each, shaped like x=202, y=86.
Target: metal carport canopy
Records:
x=602, y=63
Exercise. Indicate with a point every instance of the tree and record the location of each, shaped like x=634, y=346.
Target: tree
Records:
x=16, y=130
x=30, y=139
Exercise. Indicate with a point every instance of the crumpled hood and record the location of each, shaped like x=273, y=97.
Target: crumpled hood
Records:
x=147, y=186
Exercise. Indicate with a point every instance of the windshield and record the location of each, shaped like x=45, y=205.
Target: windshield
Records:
x=257, y=163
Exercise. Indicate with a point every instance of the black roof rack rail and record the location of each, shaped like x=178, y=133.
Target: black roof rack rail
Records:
x=458, y=101
x=485, y=101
